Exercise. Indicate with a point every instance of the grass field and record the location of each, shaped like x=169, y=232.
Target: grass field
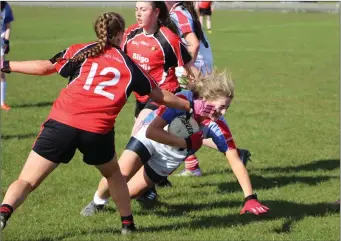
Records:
x=286, y=112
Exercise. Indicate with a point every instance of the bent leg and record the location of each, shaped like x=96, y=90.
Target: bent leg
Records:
x=35, y=170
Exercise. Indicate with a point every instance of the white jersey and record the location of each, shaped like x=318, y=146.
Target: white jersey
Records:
x=164, y=158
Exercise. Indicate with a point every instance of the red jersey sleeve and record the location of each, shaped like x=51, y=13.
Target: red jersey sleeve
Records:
x=142, y=82
x=61, y=63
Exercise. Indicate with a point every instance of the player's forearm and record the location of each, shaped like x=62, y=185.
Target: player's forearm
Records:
x=209, y=143
x=172, y=101
x=162, y=136
x=32, y=67
x=8, y=31
x=240, y=172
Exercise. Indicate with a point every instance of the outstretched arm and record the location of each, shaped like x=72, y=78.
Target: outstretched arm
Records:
x=31, y=67
x=239, y=171
x=168, y=99
x=251, y=204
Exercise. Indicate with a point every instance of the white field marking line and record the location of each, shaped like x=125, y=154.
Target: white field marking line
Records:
x=266, y=50
x=60, y=40
x=300, y=24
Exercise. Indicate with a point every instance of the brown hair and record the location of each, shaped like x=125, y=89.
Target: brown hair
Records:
x=212, y=86
x=197, y=25
x=164, y=18
x=108, y=28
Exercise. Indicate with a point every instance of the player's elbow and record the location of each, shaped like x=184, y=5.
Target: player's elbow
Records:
x=45, y=68
x=150, y=132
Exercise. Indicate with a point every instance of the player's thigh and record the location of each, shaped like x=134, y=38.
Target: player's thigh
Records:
x=139, y=183
x=129, y=163
x=137, y=152
x=109, y=168
x=36, y=169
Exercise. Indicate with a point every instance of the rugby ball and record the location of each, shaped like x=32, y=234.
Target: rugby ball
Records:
x=181, y=127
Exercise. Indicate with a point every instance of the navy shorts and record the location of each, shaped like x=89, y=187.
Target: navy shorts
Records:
x=58, y=143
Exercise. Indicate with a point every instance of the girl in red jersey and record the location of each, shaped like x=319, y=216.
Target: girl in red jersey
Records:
x=153, y=43
x=101, y=77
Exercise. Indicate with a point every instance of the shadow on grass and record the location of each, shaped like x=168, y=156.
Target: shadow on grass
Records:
x=28, y=105
x=18, y=136
x=327, y=165
x=259, y=182
x=290, y=211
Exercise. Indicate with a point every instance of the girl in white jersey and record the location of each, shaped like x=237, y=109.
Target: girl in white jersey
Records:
x=183, y=14
x=186, y=19
x=153, y=153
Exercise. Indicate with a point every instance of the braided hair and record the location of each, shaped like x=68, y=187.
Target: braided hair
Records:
x=108, y=28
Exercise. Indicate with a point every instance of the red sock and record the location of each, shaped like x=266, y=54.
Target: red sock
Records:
x=191, y=163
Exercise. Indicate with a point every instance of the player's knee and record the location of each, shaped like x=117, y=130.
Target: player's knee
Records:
x=28, y=185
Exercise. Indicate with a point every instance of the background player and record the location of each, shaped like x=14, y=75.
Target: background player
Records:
x=6, y=19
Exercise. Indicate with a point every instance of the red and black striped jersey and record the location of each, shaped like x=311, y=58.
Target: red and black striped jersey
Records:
x=157, y=53
x=98, y=87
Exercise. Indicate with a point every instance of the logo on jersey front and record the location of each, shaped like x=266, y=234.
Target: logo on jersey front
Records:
x=143, y=61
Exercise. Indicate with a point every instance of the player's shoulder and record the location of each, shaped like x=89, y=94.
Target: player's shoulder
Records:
x=169, y=34
x=81, y=46
x=182, y=13
x=134, y=28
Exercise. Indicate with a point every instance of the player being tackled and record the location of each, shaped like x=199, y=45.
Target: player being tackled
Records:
x=153, y=153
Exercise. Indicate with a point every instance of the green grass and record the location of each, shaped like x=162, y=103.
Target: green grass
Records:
x=286, y=112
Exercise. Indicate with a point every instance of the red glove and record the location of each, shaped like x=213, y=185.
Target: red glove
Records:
x=201, y=108
x=194, y=141
x=253, y=206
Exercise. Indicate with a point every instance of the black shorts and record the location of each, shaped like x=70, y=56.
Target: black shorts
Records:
x=136, y=146
x=58, y=142
x=138, y=107
x=205, y=11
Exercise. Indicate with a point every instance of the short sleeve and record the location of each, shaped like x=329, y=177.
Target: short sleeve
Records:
x=60, y=61
x=143, y=83
x=221, y=135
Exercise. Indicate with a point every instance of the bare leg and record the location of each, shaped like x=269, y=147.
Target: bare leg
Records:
x=201, y=19
x=208, y=22
x=35, y=170
x=129, y=164
x=117, y=186
x=139, y=183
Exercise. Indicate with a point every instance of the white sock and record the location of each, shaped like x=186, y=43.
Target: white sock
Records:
x=3, y=92
x=208, y=23
x=100, y=201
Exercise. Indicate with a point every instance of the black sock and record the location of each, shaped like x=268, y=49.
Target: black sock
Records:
x=127, y=220
x=7, y=209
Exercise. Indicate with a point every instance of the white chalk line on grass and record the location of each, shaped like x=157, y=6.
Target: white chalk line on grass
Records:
x=59, y=40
